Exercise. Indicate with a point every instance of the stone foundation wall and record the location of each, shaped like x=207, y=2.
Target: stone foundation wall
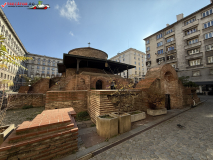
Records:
x=64, y=99
x=51, y=134
x=19, y=100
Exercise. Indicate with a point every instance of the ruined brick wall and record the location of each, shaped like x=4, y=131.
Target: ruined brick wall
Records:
x=19, y=100
x=99, y=103
x=89, y=52
x=24, y=89
x=41, y=86
x=51, y=134
x=78, y=82
x=64, y=99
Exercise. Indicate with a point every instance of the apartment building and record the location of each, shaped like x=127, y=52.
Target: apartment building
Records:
x=187, y=45
x=133, y=57
x=14, y=47
x=42, y=66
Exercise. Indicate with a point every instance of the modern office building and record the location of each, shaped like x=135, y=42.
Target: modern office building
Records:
x=133, y=57
x=187, y=45
x=14, y=47
x=42, y=66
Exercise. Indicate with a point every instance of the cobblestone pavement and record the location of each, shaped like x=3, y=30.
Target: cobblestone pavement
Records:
x=168, y=142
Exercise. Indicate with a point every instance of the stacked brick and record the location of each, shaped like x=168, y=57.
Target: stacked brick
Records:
x=21, y=99
x=51, y=134
x=64, y=99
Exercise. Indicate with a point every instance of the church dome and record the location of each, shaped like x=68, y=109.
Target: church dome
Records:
x=89, y=52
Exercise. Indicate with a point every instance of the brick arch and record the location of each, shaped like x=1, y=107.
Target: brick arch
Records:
x=104, y=82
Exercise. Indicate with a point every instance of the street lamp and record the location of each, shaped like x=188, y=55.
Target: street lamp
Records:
x=29, y=81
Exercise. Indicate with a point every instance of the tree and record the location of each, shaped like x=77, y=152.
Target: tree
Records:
x=185, y=81
x=7, y=58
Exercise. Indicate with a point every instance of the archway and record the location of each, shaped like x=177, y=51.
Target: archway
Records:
x=99, y=84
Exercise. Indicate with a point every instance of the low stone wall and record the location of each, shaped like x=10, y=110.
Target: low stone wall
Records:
x=64, y=99
x=51, y=134
x=19, y=100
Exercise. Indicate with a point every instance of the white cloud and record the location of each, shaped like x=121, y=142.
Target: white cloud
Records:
x=71, y=33
x=70, y=10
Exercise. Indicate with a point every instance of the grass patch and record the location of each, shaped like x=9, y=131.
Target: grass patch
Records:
x=92, y=125
x=27, y=107
x=82, y=116
x=136, y=112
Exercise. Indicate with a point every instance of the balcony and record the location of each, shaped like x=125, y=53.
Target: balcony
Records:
x=190, y=25
x=148, y=63
x=170, y=43
x=171, y=58
x=171, y=52
x=192, y=45
x=193, y=56
x=189, y=36
x=170, y=34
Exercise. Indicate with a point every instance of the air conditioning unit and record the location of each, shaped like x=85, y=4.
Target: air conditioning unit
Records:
x=159, y=62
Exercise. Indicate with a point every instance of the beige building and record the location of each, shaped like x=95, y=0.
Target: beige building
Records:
x=42, y=66
x=187, y=45
x=14, y=47
x=133, y=57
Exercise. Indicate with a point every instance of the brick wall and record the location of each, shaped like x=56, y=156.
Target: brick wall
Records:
x=99, y=103
x=64, y=99
x=24, y=89
x=19, y=100
x=51, y=134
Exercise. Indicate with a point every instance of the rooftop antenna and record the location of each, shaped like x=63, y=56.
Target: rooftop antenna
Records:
x=89, y=44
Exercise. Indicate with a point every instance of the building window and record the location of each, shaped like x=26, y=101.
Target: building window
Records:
x=142, y=64
x=53, y=72
x=48, y=72
x=42, y=72
x=159, y=44
x=160, y=51
x=139, y=63
x=159, y=36
x=193, y=51
x=142, y=56
x=31, y=76
x=194, y=62
x=123, y=73
x=209, y=47
x=53, y=69
x=116, y=60
x=207, y=13
x=48, y=68
x=208, y=35
x=38, y=62
x=148, y=55
x=48, y=64
x=124, y=59
x=43, y=68
x=210, y=59
x=135, y=68
x=170, y=39
x=134, y=58
x=135, y=62
x=195, y=73
x=147, y=48
x=139, y=68
x=169, y=31
x=139, y=59
x=192, y=41
x=53, y=64
x=135, y=72
x=43, y=63
x=190, y=21
x=208, y=24
x=37, y=67
x=211, y=71
x=170, y=48
x=147, y=41
x=190, y=31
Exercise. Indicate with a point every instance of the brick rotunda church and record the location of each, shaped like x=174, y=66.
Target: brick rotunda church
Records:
x=82, y=69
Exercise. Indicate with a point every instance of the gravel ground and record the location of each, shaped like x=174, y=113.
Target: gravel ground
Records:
x=17, y=116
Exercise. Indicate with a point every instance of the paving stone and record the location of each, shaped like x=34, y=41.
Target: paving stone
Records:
x=167, y=141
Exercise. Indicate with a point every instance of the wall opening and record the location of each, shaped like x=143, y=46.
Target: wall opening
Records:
x=99, y=84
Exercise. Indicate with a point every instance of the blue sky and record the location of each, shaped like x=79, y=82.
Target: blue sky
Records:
x=109, y=25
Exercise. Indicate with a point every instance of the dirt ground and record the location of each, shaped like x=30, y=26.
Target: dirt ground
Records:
x=17, y=116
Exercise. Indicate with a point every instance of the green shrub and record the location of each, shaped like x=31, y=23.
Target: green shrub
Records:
x=27, y=107
x=82, y=114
